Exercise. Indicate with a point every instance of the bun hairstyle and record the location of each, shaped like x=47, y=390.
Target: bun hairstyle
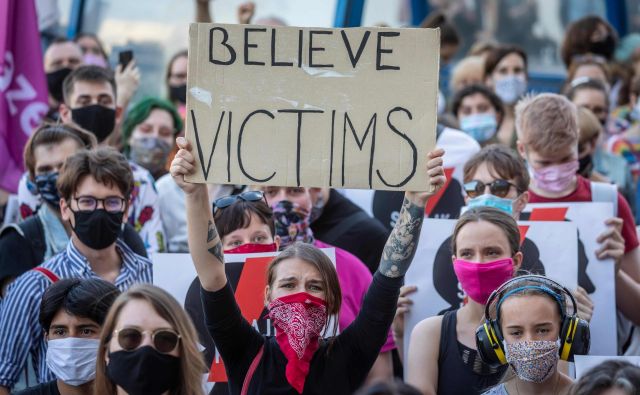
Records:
x=448, y=33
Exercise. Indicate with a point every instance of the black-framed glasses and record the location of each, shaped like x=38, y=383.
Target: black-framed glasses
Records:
x=112, y=204
x=163, y=340
x=499, y=188
x=248, y=196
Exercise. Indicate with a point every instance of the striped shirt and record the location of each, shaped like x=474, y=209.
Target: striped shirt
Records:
x=20, y=328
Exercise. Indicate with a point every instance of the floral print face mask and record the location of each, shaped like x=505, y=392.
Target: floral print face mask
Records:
x=533, y=360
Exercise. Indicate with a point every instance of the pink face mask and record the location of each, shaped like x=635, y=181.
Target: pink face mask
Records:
x=555, y=178
x=96, y=60
x=478, y=280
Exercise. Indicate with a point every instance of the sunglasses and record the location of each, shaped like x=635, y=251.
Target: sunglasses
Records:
x=499, y=188
x=248, y=196
x=164, y=340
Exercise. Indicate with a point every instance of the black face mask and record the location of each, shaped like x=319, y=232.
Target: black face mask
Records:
x=54, y=83
x=178, y=93
x=97, y=119
x=604, y=47
x=144, y=371
x=47, y=188
x=97, y=229
x=586, y=165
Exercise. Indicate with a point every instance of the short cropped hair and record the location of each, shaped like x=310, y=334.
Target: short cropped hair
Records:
x=238, y=216
x=106, y=165
x=91, y=74
x=547, y=122
x=49, y=133
x=87, y=298
x=503, y=161
x=141, y=110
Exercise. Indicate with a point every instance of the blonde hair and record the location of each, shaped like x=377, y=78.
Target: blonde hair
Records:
x=588, y=125
x=547, y=123
x=192, y=365
x=469, y=66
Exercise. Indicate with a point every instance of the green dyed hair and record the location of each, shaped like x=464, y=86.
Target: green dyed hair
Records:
x=141, y=111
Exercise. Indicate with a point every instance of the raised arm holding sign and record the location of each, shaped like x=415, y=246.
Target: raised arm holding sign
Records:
x=352, y=108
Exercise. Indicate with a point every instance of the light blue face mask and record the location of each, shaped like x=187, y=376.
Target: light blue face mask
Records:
x=481, y=127
x=510, y=88
x=488, y=200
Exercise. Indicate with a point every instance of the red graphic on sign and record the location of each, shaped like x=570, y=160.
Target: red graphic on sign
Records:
x=549, y=214
x=433, y=201
x=250, y=297
x=523, y=232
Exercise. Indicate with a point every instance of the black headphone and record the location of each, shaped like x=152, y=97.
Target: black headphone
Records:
x=574, y=334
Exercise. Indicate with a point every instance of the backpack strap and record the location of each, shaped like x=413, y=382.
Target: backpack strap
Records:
x=251, y=371
x=47, y=273
x=32, y=230
x=603, y=192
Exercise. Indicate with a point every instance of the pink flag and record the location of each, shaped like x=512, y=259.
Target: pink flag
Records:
x=23, y=87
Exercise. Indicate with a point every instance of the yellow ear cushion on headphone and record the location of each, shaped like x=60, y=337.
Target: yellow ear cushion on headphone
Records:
x=495, y=343
x=567, y=342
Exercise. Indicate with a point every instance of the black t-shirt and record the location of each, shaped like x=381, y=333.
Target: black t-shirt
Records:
x=345, y=225
x=50, y=388
x=336, y=368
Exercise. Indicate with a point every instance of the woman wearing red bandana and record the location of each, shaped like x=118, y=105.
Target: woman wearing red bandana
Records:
x=302, y=291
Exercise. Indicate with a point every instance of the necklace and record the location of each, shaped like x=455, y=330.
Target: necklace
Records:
x=555, y=387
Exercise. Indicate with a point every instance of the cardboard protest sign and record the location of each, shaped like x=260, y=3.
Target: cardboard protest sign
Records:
x=385, y=205
x=585, y=362
x=598, y=279
x=549, y=248
x=176, y=274
x=290, y=106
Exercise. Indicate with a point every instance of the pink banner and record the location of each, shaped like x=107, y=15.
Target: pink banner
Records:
x=23, y=87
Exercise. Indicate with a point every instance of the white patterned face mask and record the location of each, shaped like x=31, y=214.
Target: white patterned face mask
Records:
x=533, y=360
x=73, y=359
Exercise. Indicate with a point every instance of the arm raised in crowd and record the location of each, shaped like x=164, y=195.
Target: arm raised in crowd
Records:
x=204, y=243
x=401, y=245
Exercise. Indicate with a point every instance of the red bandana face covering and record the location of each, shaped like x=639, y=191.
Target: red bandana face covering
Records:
x=299, y=319
x=251, y=248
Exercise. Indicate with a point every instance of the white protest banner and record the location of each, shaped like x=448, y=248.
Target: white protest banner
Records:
x=246, y=273
x=290, y=106
x=595, y=276
x=585, y=362
x=549, y=248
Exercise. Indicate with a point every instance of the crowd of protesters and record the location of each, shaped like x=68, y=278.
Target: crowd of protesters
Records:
x=104, y=190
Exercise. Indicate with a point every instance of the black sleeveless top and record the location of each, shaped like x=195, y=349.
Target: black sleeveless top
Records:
x=460, y=369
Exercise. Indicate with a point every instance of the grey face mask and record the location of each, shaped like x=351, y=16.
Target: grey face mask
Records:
x=150, y=153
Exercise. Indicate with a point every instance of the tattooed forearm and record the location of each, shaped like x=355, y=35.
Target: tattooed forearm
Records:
x=217, y=252
x=212, y=236
x=212, y=232
x=401, y=245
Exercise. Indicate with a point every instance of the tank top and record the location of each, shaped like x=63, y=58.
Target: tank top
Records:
x=456, y=373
